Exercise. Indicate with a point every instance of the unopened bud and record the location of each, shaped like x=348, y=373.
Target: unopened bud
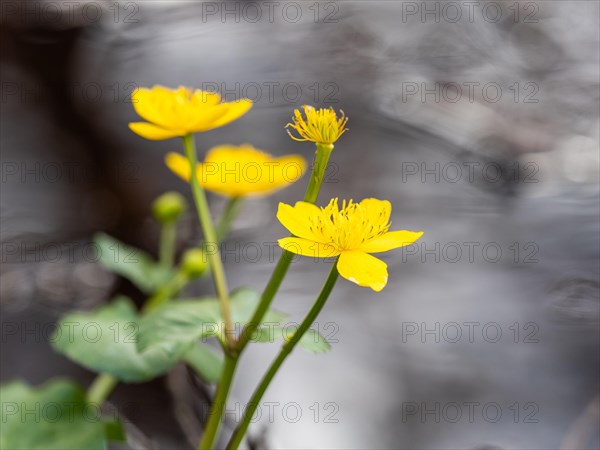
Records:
x=168, y=207
x=194, y=263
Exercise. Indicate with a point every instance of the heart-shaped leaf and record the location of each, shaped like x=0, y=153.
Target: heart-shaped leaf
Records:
x=311, y=341
x=205, y=362
x=54, y=416
x=131, y=263
x=180, y=323
x=174, y=326
x=104, y=341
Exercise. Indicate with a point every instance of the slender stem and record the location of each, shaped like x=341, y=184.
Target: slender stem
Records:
x=229, y=214
x=168, y=235
x=312, y=192
x=211, y=242
x=267, y=297
x=320, y=165
x=173, y=286
x=101, y=388
x=318, y=174
x=218, y=406
x=104, y=384
x=287, y=348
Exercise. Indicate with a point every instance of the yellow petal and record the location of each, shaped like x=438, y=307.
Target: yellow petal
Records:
x=205, y=117
x=185, y=111
x=363, y=269
x=390, y=241
x=306, y=247
x=140, y=98
x=296, y=218
x=168, y=108
x=200, y=97
x=378, y=211
x=234, y=111
x=238, y=171
x=246, y=171
x=179, y=165
x=154, y=132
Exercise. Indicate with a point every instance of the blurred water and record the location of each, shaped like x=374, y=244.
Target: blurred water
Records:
x=542, y=212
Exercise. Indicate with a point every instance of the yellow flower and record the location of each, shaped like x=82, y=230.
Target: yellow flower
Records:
x=177, y=112
x=240, y=171
x=351, y=232
x=321, y=126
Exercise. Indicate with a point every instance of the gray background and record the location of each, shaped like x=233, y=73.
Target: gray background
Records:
x=65, y=103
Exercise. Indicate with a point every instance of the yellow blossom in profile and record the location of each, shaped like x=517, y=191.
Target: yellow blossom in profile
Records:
x=320, y=126
x=235, y=171
x=352, y=233
x=177, y=112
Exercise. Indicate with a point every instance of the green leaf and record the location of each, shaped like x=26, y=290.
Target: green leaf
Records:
x=114, y=432
x=53, y=416
x=314, y=342
x=311, y=341
x=131, y=263
x=206, y=363
x=243, y=304
x=174, y=326
x=104, y=341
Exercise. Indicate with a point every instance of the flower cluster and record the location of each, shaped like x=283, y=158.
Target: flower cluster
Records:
x=132, y=346
x=351, y=232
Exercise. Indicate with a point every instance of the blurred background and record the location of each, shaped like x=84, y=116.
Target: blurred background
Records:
x=477, y=120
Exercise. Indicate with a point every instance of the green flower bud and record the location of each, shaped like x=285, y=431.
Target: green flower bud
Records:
x=194, y=263
x=168, y=207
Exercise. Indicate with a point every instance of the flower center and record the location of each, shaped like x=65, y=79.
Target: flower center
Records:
x=349, y=227
x=320, y=125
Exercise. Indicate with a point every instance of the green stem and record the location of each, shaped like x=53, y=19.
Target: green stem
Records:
x=101, y=388
x=168, y=235
x=318, y=173
x=287, y=348
x=173, y=286
x=320, y=165
x=267, y=297
x=218, y=406
x=312, y=192
x=210, y=238
x=229, y=214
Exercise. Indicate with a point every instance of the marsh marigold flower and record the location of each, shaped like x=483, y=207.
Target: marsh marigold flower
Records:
x=235, y=171
x=320, y=126
x=177, y=112
x=352, y=233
